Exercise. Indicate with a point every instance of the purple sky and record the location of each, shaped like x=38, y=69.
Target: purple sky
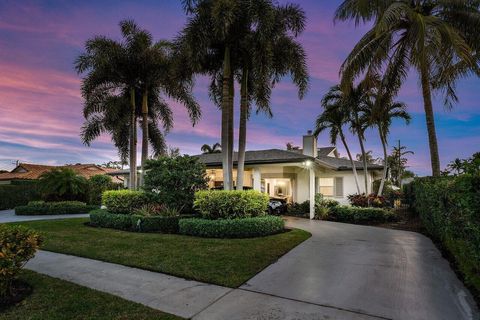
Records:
x=40, y=101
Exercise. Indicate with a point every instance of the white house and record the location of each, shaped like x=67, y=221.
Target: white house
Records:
x=296, y=175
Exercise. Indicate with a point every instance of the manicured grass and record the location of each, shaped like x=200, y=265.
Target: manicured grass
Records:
x=57, y=299
x=227, y=262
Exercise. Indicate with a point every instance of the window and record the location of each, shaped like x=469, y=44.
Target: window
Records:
x=327, y=186
x=331, y=187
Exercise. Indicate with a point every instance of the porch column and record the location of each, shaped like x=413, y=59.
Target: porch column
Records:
x=257, y=183
x=312, y=192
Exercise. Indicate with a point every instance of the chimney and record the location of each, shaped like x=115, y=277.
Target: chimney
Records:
x=310, y=144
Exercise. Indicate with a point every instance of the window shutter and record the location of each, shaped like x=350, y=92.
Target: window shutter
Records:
x=338, y=186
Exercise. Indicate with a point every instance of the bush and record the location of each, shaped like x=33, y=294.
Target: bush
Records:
x=360, y=215
x=18, y=245
x=298, y=209
x=174, y=181
x=217, y=204
x=128, y=222
x=14, y=194
x=150, y=210
x=61, y=207
x=97, y=184
x=63, y=184
x=372, y=200
x=232, y=228
x=449, y=208
x=124, y=201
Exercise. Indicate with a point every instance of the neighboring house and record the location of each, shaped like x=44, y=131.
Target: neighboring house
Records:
x=296, y=175
x=28, y=171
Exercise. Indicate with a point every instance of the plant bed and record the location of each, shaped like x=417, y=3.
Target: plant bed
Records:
x=136, y=223
x=19, y=290
x=232, y=228
x=53, y=208
x=226, y=262
x=58, y=299
x=360, y=215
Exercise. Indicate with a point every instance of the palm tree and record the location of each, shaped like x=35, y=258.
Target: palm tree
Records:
x=334, y=117
x=215, y=148
x=63, y=184
x=368, y=156
x=457, y=165
x=269, y=52
x=436, y=37
x=381, y=114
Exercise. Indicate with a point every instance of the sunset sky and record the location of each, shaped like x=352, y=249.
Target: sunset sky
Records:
x=41, y=105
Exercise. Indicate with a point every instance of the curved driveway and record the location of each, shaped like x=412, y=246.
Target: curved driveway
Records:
x=351, y=272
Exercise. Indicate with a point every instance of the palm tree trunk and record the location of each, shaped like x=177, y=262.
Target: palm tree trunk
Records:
x=225, y=118
x=355, y=175
x=242, y=133
x=364, y=160
x=144, y=135
x=133, y=142
x=230, y=129
x=385, y=163
x=428, y=106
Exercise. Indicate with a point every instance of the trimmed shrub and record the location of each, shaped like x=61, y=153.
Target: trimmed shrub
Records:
x=232, y=228
x=372, y=200
x=18, y=194
x=449, y=208
x=124, y=201
x=61, y=207
x=174, y=181
x=360, y=215
x=218, y=204
x=103, y=218
x=17, y=245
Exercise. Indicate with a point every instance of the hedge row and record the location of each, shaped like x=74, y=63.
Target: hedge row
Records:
x=130, y=222
x=450, y=211
x=47, y=208
x=124, y=201
x=232, y=228
x=359, y=214
x=13, y=195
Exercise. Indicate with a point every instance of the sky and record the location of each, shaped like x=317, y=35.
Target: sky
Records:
x=41, y=104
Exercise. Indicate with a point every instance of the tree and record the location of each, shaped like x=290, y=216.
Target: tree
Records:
x=334, y=117
x=438, y=38
x=113, y=164
x=397, y=163
x=368, y=157
x=215, y=148
x=457, y=165
x=291, y=147
x=63, y=184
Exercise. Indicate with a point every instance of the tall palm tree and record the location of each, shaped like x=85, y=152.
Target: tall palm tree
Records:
x=334, y=117
x=383, y=111
x=215, y=148
x=436, y=37
x=268, y=53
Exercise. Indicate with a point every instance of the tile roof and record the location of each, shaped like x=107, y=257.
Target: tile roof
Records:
x=29, y=171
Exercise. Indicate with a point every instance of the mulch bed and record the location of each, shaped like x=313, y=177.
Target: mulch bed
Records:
x=20, y=290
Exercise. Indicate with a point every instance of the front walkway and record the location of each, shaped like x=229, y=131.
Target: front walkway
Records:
x=342, y=272
x=9, y=216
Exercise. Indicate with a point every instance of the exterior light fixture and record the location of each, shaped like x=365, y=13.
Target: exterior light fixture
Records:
x=308, y=163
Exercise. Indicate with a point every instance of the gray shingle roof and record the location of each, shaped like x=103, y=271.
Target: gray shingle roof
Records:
x=325, y=151
x=283, y=156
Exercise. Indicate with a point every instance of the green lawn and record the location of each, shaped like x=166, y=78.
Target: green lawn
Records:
x=227, y=262
x=57, y=299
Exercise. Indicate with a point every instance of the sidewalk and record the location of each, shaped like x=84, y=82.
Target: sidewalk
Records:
x=9, y=216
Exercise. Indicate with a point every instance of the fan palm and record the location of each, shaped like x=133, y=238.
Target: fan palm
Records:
x=334, y=117
x=63, y=184
x=438, y=38
x=215, y=148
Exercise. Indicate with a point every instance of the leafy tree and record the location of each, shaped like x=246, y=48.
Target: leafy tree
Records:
x=436, y=37
x=63, y=184
x=113, y=164
x=97, y=184
x=291, y=147
x=214, y=148
x=397, y=163
x=333, y=118
x=173, y=181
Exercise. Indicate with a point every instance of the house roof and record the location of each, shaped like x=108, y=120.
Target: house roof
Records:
x=285, y=156
x=29, y=171
x=325, y=151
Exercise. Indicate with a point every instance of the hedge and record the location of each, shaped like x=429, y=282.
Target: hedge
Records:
x=47, y=208
x=18, y=194
x=449, y=208
x=359, y=214
x=131, y=222
x=232, y=228
x=124, y=201
x=218, y=204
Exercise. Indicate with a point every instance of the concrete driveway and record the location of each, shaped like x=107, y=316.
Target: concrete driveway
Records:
x=9, y=216
x=351, y=272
